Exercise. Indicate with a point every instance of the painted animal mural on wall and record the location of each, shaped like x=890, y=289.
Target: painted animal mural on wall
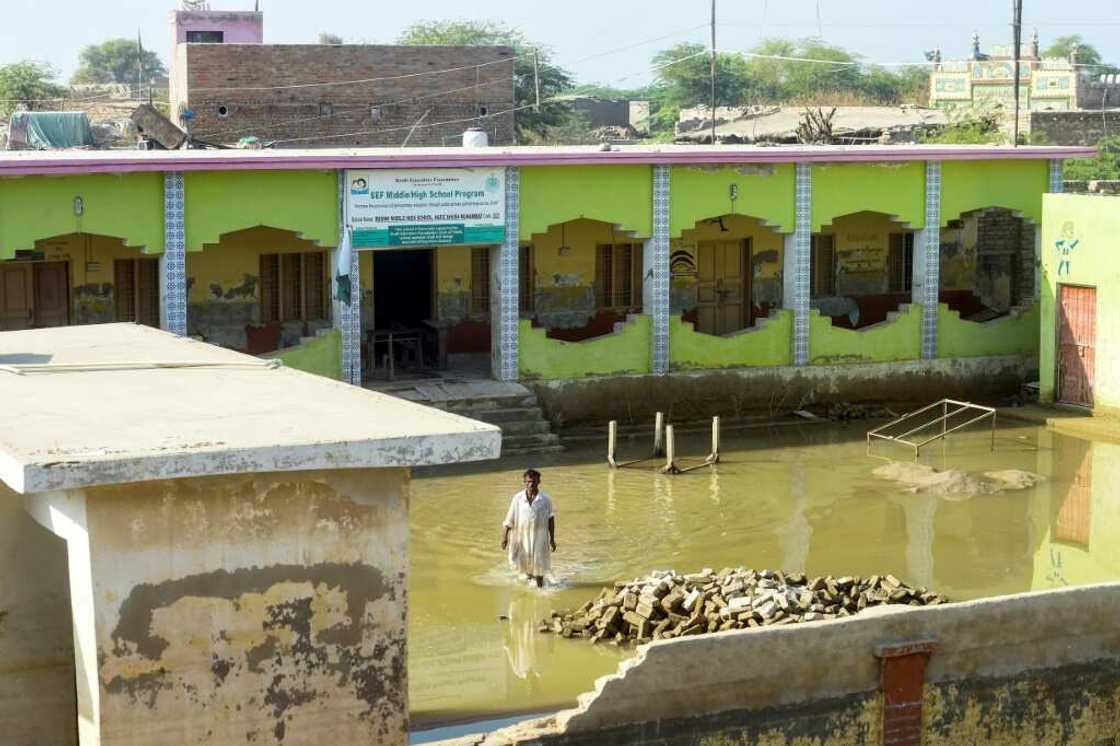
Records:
x=1065, y=245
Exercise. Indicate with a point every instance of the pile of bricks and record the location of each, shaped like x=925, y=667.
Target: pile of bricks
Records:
x=666, y=605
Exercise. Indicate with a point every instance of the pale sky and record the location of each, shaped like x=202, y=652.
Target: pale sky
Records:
x=607, y=42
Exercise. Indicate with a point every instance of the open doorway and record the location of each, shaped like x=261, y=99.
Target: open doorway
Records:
x=403, y=340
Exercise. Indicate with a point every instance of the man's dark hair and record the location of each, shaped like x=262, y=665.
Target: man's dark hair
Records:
x=531, y=473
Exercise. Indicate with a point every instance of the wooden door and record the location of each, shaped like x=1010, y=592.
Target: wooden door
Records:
x=1077, y=332
x=52, y=296
x=15, y=297
x=722, y=294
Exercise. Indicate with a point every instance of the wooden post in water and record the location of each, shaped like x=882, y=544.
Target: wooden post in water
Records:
x=612, y=443
x=713, y=458
x=658, y=432
x=670, y=452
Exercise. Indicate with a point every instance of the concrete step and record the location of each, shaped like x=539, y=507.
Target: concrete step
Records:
x=534, y=441
x=462, y=406
x=524, y=427
x=534, y=451
x=500, y=416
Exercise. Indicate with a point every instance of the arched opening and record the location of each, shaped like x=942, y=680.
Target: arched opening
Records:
x=257, y=290
x=580, y=278
x=987, y=263
x=861, y=269
x=726, y=273
x=78, y=278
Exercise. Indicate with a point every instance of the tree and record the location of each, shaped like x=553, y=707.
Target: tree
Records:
x=117, y=61
x=1105, y=166
x=554, y=80
x=26, y=84
x=684, y=73
x=326, y=37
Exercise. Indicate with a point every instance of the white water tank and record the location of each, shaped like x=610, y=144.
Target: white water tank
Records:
x=475, y=138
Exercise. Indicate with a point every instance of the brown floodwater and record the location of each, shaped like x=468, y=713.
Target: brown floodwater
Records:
x=793, y=498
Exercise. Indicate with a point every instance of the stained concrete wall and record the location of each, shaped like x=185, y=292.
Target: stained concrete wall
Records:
x=1039, y=668
x=266, y=607
x=37, y=706
x=770, y=390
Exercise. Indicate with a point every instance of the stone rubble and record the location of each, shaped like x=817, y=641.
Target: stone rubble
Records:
x=665, y=605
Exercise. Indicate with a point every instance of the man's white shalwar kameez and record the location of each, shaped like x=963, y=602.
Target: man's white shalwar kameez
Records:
x=529, y=549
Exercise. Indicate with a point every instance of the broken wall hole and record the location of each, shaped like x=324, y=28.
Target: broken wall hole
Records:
x=861, y=269
x=726, y=273
x=987, y=263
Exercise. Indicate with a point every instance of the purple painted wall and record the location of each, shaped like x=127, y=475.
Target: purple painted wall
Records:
x=238, y=27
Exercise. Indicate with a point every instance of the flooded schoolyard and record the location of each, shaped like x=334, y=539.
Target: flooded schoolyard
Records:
x=794, y=498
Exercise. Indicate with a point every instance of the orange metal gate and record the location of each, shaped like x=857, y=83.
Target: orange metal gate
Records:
x=1077, y=333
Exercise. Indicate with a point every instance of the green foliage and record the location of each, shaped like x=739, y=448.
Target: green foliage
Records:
x=117, y=61
x=325, y=37
x=761, y=77
x=1087, y=54
x=24, y=84
x=1105, y=166
x=554, y=80
x=573, y=129
x=968, y=126
x=688, y=82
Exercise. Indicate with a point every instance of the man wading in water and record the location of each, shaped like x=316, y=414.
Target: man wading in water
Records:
x=529, y=517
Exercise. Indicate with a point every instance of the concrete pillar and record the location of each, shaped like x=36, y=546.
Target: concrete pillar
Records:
x=931, y=246
x=1057, y=186
x=347, y=316
x=505, y=288
x=173, y=262
x=802, y=237
x=659, y=267
x=267, y=607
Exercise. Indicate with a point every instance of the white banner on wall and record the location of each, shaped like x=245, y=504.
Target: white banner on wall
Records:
x=426, y=207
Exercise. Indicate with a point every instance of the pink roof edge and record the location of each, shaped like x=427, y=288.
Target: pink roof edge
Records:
x=30, y=163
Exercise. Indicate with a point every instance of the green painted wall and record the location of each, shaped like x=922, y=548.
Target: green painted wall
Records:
x=896, y=189
x=623, y=352
x=128, y=206
x=321, y=356
x=766, y=192
x=768, y=343
x=217, y=202
x=1008, y=335
x=622, y=195
x=973, y=185
x=898, y=339
x=1094, y=222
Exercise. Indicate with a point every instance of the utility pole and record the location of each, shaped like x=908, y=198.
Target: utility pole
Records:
x=1017, y=42
x=713, y=73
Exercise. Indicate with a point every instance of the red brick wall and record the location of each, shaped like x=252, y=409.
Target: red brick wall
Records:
x=324, y=113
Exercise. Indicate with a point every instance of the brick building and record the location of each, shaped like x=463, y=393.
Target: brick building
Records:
x=304, y=95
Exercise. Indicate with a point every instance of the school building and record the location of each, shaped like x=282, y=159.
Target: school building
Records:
x=548, y=264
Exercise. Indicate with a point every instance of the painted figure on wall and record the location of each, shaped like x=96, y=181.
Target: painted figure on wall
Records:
x=1065, y=246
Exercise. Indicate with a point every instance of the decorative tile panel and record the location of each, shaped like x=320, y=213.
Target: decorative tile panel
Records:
x=174, y=290
x=803, y=203
x=932, y=280
x=508, y=285
x=659, y=271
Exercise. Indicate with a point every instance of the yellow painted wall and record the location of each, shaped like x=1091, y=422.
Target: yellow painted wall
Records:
x=767, y=252
x=91, y=260
x=229, y=263
x=555, y=267
x=862, y=251
x=958, y=255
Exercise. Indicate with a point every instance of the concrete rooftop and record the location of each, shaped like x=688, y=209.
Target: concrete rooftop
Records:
x=27, y=163
x=89, y=427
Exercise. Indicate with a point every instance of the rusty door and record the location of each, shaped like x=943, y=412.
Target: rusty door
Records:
x=52, y=296
x=1077, y=333
x=15, y=297
x=722, y=289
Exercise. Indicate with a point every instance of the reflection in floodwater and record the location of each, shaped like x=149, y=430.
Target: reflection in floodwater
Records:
x=798, y=499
